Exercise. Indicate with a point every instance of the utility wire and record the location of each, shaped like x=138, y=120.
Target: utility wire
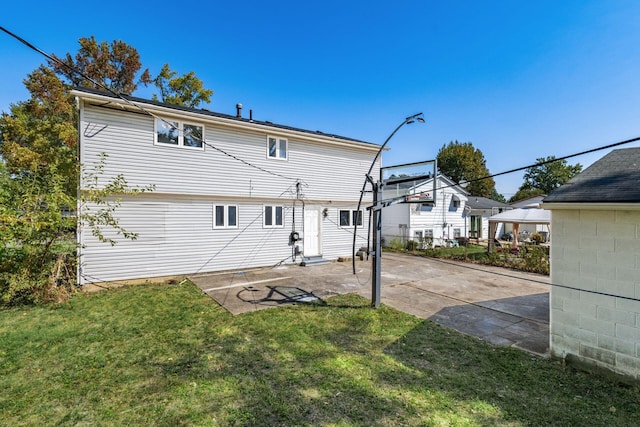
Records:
x=133, y=104
x=604, y=147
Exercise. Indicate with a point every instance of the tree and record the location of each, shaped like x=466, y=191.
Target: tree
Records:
x=497, y=196
x=546, y=176
x=522, y=194
x=42, y=131
x=114, y=66
x=187, y=90
x=463, y=163
x=39, y=167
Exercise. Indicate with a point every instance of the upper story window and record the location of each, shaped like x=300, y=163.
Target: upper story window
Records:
x=277, y=148
x=180, y=134
x=273, y=216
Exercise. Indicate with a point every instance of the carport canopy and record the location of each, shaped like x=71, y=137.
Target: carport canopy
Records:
x=517, y=217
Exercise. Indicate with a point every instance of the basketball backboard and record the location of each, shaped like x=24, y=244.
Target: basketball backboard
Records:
x=410, y=182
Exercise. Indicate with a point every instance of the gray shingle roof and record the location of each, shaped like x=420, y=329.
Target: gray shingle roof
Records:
x=484, y=203
x=615, y=178
x=220, y=115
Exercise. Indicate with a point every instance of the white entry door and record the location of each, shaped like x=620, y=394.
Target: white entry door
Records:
x=312, y=238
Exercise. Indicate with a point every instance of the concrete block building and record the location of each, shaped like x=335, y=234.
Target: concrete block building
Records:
x=595, y=265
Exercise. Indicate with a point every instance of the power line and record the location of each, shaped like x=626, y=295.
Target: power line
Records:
x=133, y=104
x=604, y=147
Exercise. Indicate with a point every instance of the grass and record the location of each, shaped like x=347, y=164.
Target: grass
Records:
x=168, y=355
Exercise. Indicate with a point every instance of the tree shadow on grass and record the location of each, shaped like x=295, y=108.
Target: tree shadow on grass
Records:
x=314, y=366
x=527, y=389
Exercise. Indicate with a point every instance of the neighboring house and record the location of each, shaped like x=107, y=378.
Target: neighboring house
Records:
x=442, y=222
x=229, y=191
x=479, y=210
x=595, y=265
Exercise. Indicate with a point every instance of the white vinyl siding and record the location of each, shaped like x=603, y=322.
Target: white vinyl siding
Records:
x=444, y=221
x=128, y=139
x=178, y=231
x=175, y=237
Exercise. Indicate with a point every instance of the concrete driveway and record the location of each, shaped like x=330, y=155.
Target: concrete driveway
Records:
x=503, y=307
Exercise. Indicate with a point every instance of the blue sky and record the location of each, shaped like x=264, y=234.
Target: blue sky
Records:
x=520, y=80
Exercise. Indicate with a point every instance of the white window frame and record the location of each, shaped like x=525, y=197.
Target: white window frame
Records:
x=352, y=215
x=278, y=152
x=225, y=221
x=180, y=124
x=428, y=233
x=274, y=209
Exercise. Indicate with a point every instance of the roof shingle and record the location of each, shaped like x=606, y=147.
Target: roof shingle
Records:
x=615, y=178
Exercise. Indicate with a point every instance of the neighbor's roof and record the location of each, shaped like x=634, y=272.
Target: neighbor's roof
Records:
x=245, y=120
x=484, y=203
x=523, y=216
x=615, y=178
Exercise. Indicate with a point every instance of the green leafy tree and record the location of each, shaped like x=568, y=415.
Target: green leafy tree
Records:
x=186, y=90
x=39, y=169
x=463, y=163
x=546, y=176
x=37, y=247
x=522, y=194
x=497, y=196
x=42, y=131
x=114, y=65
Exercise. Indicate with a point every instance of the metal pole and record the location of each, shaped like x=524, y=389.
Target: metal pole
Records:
x=407, y=120
x=376, y=267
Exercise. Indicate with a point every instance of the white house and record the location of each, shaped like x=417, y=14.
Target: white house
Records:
x=455, y=214
x=595, y=265
x=443, y=222
x=479, y=210
x=230, y=192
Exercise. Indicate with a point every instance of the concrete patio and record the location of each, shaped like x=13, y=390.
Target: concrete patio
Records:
x=500, y=306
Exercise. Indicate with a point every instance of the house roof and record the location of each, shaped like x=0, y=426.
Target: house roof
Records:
x=612, y=179
x=529, y=202
x=446, y=182
x=244, y=120
x=523, y=216
x=484, y=203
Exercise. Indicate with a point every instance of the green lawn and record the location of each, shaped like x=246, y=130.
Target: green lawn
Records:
x=167, y=355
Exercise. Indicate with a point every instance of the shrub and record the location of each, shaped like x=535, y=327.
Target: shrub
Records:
x=412, y=245
x=536, y=238
x=396, y=244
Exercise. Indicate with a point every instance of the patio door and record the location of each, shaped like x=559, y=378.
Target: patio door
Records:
x=476, y=227
x=312, y=236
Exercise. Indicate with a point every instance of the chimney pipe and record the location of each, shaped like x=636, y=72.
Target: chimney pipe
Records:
x=251, y=115
x=238, y=110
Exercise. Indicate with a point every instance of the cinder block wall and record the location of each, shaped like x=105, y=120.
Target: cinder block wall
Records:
x=596, y=252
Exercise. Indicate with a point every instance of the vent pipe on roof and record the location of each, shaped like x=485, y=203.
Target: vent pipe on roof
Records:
x=250, y=115
x=238, y=110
